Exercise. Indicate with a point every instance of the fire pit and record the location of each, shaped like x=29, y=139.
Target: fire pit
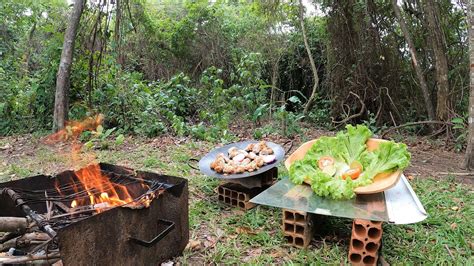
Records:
x=102, y=214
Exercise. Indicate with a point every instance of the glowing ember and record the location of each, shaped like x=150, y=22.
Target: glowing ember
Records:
x=74, y=204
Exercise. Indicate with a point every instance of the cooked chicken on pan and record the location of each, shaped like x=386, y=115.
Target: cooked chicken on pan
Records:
x=254, y=156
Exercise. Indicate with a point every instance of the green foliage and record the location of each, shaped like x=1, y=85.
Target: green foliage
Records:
x=461, y=132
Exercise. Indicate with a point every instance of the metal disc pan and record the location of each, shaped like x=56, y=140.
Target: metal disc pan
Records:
x=205, y=162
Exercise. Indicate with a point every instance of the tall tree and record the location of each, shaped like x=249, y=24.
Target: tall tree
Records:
x=414, y=59
x=438, y=45
x=469, y=159
x=312, y=98
x=61, y=105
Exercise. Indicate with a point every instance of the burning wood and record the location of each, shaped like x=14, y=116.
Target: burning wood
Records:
x=87, y=192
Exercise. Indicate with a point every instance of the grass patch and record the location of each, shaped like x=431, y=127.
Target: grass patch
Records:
x=231, y=236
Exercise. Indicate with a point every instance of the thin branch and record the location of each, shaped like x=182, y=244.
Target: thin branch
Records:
x=416, y=123
x=361, y=112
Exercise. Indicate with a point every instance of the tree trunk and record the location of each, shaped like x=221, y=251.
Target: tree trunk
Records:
x=469, y=159
x=416, y=66
x=438, y=44
x=62, y=78
x=311, y=60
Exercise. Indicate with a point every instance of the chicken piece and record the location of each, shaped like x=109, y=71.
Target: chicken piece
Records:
x=259, y=146
x=239, y=169
x=218, y=161
x=251, y=155
x=259, y=161
x=233, y=152
x=220, y=168
x=229, y=169
x=252, y=166
x=266, y=151
x=245, y=161
x=249, y=147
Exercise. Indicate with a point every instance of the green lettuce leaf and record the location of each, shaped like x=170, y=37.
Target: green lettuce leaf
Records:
x=388, y=157
x=345, y=148
x=301, y=169
x=353, y=142
x=325, y=185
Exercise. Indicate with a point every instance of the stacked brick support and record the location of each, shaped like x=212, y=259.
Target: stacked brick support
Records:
x=365, y=242
x=299, y=227
x=238, y=192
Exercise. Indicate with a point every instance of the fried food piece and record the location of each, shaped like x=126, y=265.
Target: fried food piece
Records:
x=239, y=169
x=233, y=152
x=252, y=166
x=249, y=147
x=218, y=165
x=251, y=155
x=259, y=146
x=259, y=161
x=245, y=161
x=229, y=169
x=266, y=151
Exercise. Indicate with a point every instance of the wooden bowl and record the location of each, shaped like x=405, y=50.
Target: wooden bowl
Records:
x=381, y=182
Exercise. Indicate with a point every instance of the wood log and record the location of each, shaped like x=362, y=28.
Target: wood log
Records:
x=13, y=224
x=41, y=259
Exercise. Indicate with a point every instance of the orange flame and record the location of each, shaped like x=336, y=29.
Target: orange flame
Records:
x=73, y=129
x=101, y=192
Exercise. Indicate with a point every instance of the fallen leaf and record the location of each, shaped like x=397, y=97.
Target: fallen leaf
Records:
x=410, y=177
x=472, y=245
x=277, y=254
x=454, y=226
x=219, y=233
x=455, y=208
x=252, y=254
x=194, y=245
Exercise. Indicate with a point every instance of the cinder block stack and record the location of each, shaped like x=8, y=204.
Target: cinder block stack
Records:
x=298, y=227
x=236, y=195
x=365, y=242
x=238, y=192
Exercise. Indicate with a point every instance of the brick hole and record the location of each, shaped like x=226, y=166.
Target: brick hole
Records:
x=221, y=198
x=368, y=260
x=359, y=230
x=354, y=257
x=357, y=244
x=374, y=232
x=299, y=217
x=234, y=202
x=371, y=247
x=241, y=196
x=289, y=239
x=299, y=241
x=363, y=253
x=299, y=230
x=227, y=200
x=366, y=239
x=289, y=228
x=368, y=225
x=289, y=216
x=220, y=190
x=241, y=204
x=234, y=194
x=226, y=192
